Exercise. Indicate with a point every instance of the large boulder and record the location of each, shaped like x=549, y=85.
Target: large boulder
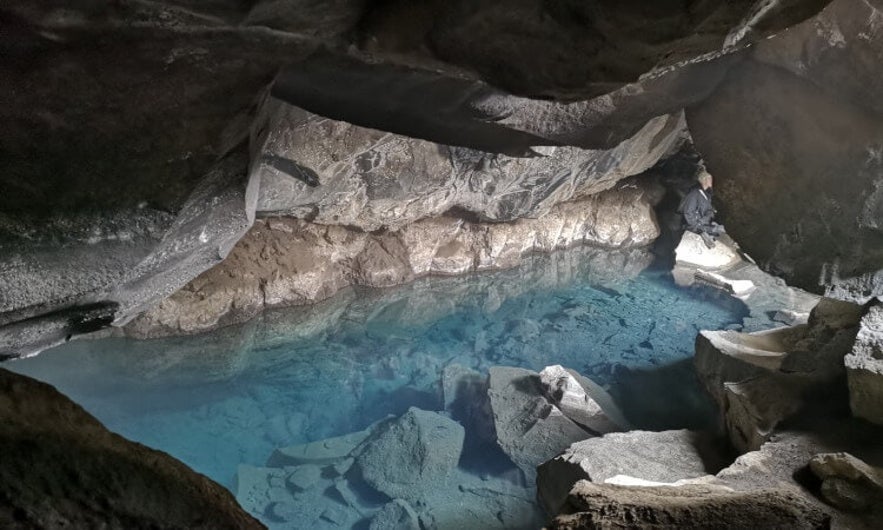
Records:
x=666, y=457
x=63, y=469
x=827, y=234
x=759, y=379
x=582, y=400
x=412, y=455
x=529, y=428
x=864, y=366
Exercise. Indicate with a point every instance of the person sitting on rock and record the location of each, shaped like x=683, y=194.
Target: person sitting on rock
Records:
x=699, y=213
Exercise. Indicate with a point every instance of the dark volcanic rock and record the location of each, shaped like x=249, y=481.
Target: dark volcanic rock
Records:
x=794, y=136
x=63, y=469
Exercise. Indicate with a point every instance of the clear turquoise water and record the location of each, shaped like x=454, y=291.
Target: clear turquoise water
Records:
x=292, y=376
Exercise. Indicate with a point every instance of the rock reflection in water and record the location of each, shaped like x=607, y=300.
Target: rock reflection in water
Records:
x=294, y=376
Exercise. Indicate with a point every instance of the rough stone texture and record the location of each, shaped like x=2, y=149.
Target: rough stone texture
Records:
x=331, y=483
x=111, y=271
x=396, y=515
x=425, y=447
x=780, y=466
x=759, y=379
x=63, y=469
x=333, y=172
x=692, y=252
x=529, y=428
x=847, y=482
x=291, y=262
x=689, y=506
x=582, y=400
x=827, y=162
x=666, y=457
x=864, y=366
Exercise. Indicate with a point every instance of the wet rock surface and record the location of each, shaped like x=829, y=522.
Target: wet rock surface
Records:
x=46, y=440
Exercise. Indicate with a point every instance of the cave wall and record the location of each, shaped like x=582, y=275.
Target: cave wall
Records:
x=794, y=135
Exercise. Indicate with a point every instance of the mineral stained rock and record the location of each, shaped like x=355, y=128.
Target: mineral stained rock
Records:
x=293, y=262
x=827, y=162
x=666, y=457
x=759, y=379
x=864, y=366
x=62, y=468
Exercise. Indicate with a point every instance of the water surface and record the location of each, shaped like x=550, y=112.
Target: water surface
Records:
x=292, y=376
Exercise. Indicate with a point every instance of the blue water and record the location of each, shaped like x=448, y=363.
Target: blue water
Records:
x=291, y=376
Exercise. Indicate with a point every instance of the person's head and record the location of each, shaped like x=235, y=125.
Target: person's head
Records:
x=705, y=180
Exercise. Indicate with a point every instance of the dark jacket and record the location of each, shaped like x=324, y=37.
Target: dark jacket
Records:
x=697, y=210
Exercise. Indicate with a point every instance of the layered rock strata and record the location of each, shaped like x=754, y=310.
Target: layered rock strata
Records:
x=63, y=469
x=292, y=262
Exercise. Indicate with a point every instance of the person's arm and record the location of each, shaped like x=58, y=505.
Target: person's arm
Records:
x=692, y=212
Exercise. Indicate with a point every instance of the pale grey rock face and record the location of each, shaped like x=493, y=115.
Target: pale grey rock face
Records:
x=692, y=252
x=293, y=262
x=864, y=367
x=425, y=448
x=582, y=400
x=530, y=430
x=666, y=457
x=759, y=379
x=802, y=191
x=333, y=172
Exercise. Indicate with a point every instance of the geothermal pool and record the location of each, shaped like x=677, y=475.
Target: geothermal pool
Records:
x=233, y=396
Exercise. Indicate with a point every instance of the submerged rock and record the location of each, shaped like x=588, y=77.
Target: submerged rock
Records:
x=529, y=428
x=62, y=468
x=864, y=366
x=411, y=456
x=396, y=515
